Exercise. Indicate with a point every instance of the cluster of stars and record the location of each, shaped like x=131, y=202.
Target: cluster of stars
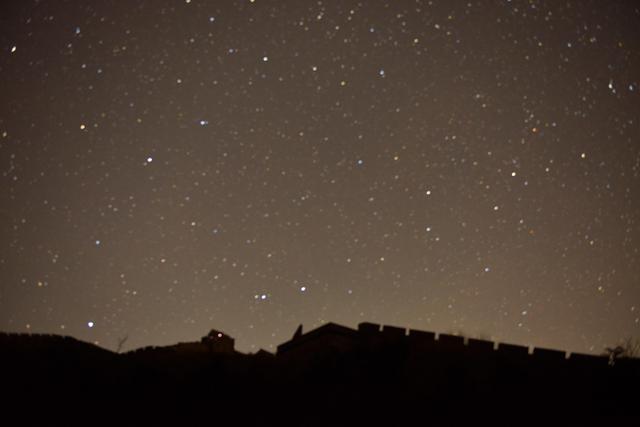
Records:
x=250, y=166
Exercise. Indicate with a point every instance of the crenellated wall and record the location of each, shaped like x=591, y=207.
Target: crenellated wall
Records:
x=446, y=342
x=332, y=337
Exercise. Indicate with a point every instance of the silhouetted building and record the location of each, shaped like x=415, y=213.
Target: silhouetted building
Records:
x=372, y=375
x=329, y=338
x=218, y=342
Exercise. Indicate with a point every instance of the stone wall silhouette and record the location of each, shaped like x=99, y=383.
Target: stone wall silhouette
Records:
x=378, y=334
x=359, y=373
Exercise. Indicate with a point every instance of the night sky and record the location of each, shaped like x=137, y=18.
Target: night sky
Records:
x=169, y=167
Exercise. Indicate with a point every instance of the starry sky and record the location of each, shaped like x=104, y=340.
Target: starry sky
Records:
x=173, y=166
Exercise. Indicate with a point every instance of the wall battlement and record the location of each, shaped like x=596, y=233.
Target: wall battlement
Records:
x=448, y=342
x=378, y=334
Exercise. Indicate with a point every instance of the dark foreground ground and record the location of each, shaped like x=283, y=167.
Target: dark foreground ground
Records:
x=352, y=379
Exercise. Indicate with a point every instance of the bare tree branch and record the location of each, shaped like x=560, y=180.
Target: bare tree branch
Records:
x=121, y=342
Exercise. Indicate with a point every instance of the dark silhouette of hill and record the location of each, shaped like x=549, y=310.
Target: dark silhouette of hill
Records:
x=332, y=375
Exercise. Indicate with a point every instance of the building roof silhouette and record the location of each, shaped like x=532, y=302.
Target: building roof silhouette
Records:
x=325, y=335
